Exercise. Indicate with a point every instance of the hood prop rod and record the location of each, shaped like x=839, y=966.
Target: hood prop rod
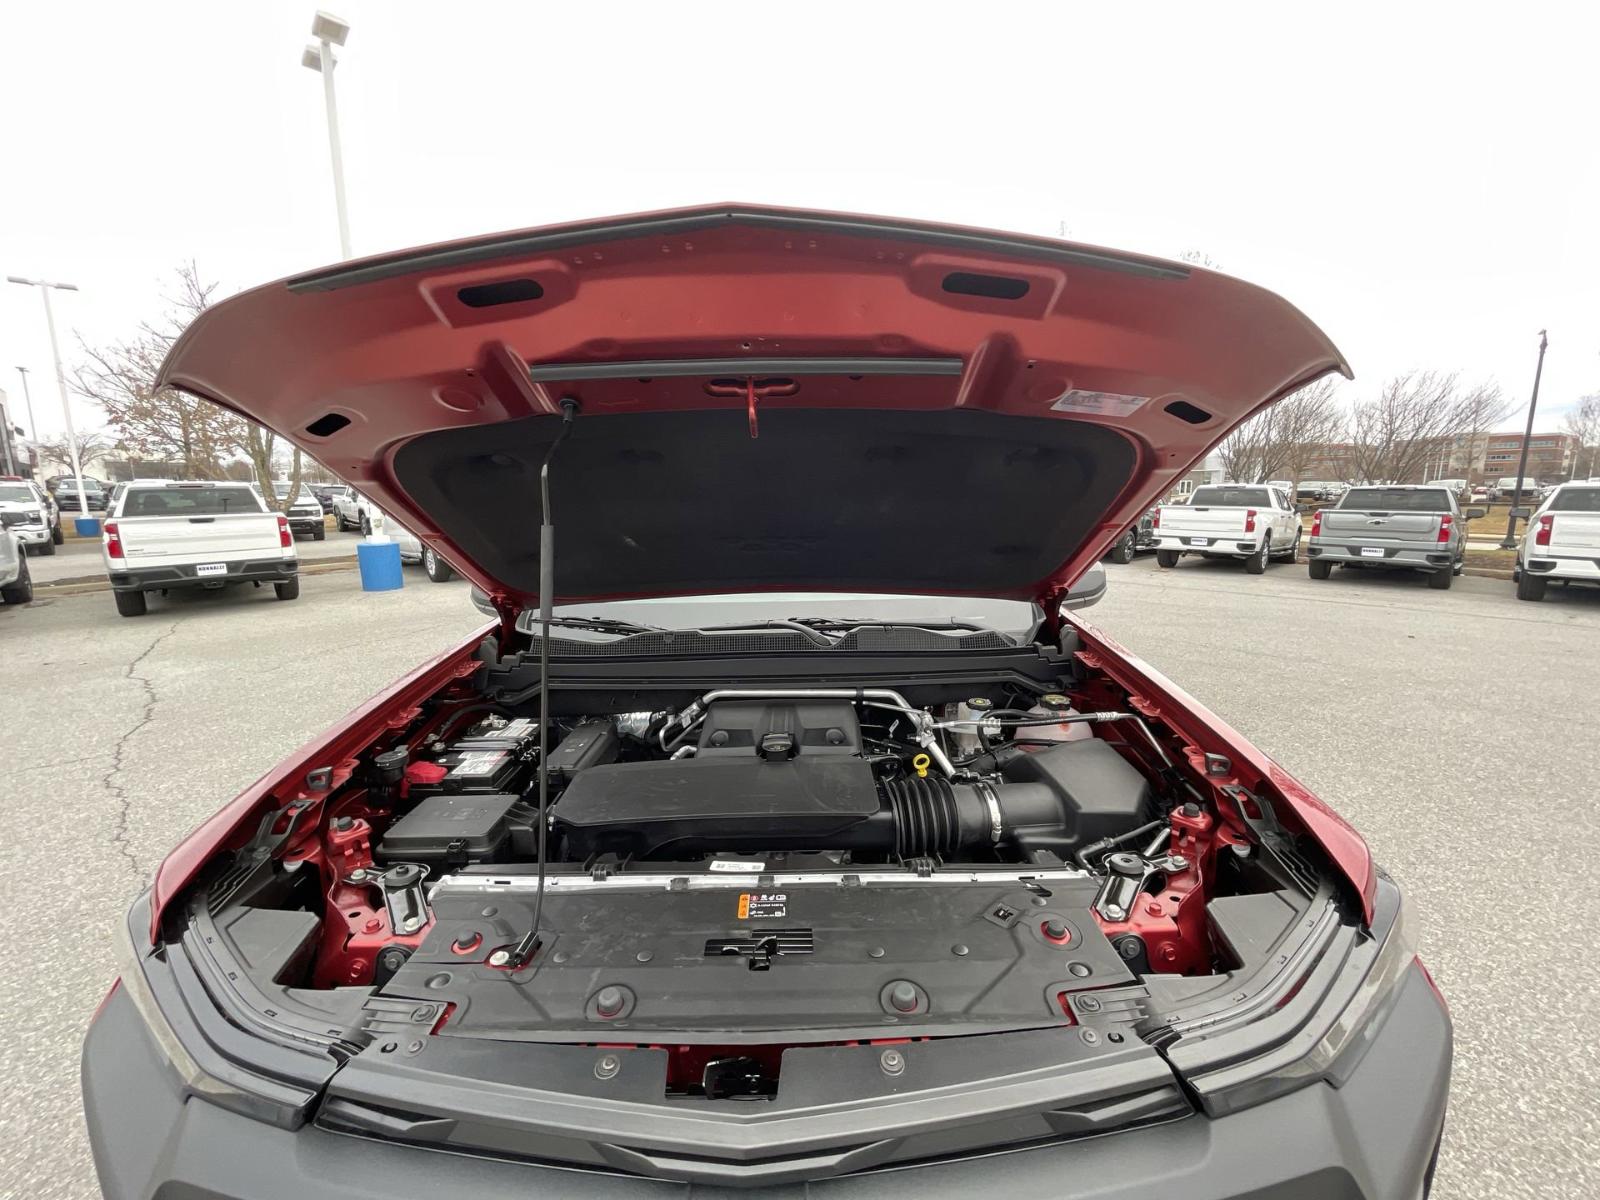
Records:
x=529, y=945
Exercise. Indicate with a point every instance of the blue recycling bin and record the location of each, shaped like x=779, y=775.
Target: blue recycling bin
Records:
x=379, y=563
x=87, y=526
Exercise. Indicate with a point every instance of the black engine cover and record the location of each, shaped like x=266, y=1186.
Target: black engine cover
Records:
x=653, y=809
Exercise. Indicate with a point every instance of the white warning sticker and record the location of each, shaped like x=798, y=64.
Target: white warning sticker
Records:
x=479, y=764
x=739, y=864
x=1105, y=404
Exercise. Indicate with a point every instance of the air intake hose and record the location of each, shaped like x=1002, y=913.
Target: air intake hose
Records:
x=933, y=816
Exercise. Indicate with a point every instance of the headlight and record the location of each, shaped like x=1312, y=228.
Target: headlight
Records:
x=1319, y=1025
x=183, y=1064
x=209, y=1051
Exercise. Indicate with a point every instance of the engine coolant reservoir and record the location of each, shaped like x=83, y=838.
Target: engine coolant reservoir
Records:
x=1055, y=705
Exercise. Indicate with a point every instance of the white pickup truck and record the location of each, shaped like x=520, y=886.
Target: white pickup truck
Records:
x=166, y=536
x=1252, y=521
x=1562, y=541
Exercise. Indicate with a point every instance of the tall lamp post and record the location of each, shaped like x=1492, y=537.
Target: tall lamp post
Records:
x=330, y=31
x=45, y=287
x=1509, y=542
x=27, y=395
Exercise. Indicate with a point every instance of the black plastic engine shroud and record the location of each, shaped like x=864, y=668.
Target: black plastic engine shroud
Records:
x=742, y=962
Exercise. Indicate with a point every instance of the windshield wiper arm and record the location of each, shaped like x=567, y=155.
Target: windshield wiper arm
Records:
x=823, y=623
x=605, y=625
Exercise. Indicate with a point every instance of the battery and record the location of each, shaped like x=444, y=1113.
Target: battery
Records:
x=498, y=733
x=493, y=755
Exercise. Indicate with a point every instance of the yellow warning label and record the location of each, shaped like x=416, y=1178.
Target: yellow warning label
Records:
x=744, y=906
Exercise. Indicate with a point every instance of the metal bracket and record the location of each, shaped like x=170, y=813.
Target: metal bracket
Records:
x=403, y=897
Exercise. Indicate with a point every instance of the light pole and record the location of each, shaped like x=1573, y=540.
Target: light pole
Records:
x=33, y=428
x=45, y=287
x=330, y=31
x=1509, y=542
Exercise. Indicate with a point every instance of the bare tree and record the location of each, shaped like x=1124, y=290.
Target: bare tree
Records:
x=165, y=423
x=92, y=444
x=1416, y=417
x=1283, y=441
x=153, y=422
x=1583, y=423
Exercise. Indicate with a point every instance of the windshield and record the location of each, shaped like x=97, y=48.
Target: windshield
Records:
x=1583, y=499
x=89, y=485
x=16, y=492
x=1425, y=500
x=1230, y=497
x=190, y=502
x=828, y=615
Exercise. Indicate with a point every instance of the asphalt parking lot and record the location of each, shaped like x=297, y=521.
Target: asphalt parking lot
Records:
x=1457, y=730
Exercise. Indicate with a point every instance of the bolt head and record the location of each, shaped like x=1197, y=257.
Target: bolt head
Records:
x=1115, y=912
x=499, y=958
x=607, y=1066
x=1178, y=862
x=892, y=1062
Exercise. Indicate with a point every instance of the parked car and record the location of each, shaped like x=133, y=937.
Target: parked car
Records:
x=352, y=511
x=1506, y=487
x=305, y=514
x=1141, y=536
x=326, y=492
x=1562, y=541
x=56, y=483
x=1250, y=521
x=164, y=537
x=27, y=510
x=16, y=581
x=737, y=930
x=415, y=553
x=1459, y=488
x=1403, y=525
x=1315, y=491
x=66, y=494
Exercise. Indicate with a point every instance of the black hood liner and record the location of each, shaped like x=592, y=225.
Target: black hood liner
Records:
x=945, y=501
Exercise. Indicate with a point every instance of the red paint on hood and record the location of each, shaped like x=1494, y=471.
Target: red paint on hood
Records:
x=354, y=362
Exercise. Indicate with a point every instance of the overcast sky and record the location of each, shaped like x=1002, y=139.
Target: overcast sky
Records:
x=1422, y=183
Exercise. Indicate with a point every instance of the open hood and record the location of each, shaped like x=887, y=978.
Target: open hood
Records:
x=767, y=399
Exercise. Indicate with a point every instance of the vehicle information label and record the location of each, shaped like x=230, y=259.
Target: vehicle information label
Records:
x=479, y=763
x=1106, y=404
x=726, y=864
x=211, y=569
x=755, y=905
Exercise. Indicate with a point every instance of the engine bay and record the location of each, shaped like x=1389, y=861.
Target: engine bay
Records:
x=741, y=868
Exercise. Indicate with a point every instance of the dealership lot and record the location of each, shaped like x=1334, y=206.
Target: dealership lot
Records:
x=1455, y=729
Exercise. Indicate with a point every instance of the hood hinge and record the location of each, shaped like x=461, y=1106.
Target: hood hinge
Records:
x=508, y=613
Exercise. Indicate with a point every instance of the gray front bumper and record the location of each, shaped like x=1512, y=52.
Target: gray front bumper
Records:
x=1374, y=1136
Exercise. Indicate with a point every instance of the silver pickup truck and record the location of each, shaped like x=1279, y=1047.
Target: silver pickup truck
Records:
x=1394, y=526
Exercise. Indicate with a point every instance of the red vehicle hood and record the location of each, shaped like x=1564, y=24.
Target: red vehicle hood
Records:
x=768, y=399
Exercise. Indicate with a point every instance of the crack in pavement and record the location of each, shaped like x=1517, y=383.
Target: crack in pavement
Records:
x=119, y=831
